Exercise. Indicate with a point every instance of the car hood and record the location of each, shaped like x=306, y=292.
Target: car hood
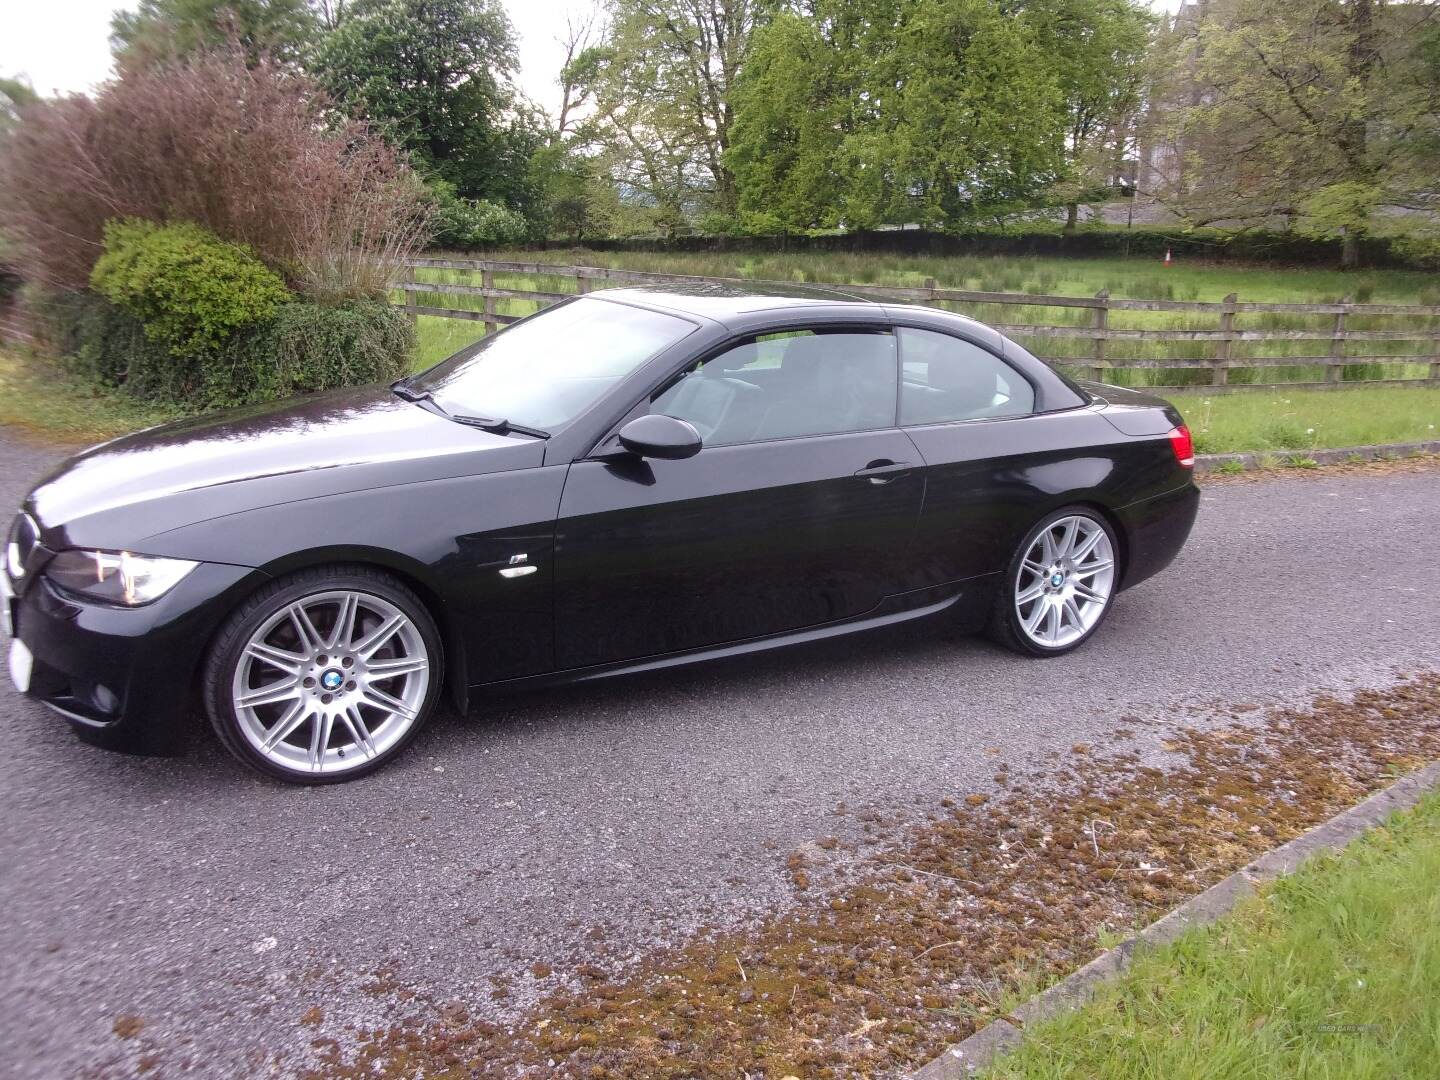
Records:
x=120, y=492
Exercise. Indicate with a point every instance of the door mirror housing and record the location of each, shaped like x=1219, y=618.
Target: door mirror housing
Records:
x=660, y=436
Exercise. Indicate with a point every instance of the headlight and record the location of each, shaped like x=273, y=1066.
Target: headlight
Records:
x=116, y=577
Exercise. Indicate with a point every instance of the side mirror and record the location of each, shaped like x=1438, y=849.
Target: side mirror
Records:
x=659, y=436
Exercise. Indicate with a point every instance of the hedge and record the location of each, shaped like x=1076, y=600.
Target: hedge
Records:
x=302, y=347
x=1281, y=248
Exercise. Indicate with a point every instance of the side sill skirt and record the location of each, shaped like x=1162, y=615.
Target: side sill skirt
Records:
x=718, y=652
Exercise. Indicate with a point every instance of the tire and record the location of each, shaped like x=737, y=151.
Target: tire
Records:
x=297, y=698
x=1070, y=600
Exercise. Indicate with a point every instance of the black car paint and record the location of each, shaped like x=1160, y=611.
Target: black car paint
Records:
x=642, y=562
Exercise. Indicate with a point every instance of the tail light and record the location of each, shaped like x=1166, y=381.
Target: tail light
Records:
x=1183, y=445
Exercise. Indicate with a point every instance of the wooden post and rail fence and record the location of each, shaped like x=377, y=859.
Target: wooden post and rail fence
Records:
x=1329, y=352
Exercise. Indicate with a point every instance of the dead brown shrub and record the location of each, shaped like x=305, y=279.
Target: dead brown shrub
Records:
x=254, y=153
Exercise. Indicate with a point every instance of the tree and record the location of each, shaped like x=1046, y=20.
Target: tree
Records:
x=435, y=76
x=1097, y=49
x=15, y=94
x=577, y=72
x=1325, y=113
x=159, y=31
x=660, y=89
x=869, y=112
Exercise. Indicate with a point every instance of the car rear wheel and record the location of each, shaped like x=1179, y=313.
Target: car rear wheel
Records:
x=1059, y=585
x=324, y=676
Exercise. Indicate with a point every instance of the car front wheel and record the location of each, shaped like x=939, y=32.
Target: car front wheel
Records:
x=324, y=676
x=1059, y=584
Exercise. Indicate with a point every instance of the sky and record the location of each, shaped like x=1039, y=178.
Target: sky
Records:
x=63, y=47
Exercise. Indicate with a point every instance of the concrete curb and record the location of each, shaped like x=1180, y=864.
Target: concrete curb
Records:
x=1259, y=459
x=965, y=1058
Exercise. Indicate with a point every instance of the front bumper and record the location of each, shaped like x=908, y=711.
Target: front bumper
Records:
x=123, y=677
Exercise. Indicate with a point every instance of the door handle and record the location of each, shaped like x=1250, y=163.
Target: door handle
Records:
x=884, y=470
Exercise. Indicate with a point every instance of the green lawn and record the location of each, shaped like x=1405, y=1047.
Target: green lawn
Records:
x=1334, y=973
x=1134, y=278
x=1310, y=419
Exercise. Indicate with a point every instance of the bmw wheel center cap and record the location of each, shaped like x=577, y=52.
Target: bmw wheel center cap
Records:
x=1057, y=579
x=332, y=680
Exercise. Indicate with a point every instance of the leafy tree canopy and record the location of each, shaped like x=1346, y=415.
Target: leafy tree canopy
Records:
x=161, y=30
x=435, y=76
x=1322, y=112
x=867, y=112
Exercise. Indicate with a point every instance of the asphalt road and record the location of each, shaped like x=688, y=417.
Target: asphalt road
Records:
x=217, y=907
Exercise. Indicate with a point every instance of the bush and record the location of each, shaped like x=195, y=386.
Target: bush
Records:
x=190, y=290
x=304, y=347
x=254, y=152
x=309, y=347
x=463, y=224
x=107, y=346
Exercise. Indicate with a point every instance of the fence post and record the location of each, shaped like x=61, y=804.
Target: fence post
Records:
x=582, y=283
x=1101, y=323
x=1220, y=371
x=1334, y=372
x=406, y=281
x=930, y=288
x=487, y=279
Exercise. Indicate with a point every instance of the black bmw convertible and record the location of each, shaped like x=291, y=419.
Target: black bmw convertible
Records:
x=623, y=481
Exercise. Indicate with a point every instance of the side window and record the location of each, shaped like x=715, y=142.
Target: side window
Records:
x=780, y=386
x=946, y=379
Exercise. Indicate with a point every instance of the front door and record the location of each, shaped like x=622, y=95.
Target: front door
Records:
x=797, y=511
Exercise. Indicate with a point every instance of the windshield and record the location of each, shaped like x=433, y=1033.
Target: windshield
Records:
x=550, y=368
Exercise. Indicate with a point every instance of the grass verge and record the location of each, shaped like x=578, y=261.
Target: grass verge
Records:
x=1332, y=972
x=1299, y=420
x=890, y=954
x=46, y=403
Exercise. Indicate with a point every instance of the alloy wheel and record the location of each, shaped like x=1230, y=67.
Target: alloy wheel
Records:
x=330, y=681
x=1065, y=581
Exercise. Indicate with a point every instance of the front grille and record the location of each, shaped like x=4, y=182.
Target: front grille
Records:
x=20, y=545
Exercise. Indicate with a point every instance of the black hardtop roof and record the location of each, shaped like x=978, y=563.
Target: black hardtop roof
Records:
x=717, y=299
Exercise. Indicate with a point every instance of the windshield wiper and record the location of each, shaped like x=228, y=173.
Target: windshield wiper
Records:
x=484, y=423
x=499, y=426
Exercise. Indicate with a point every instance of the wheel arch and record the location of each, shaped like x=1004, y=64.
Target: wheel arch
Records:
x=1083, y=501
x=409, y=572
x=1117, y=526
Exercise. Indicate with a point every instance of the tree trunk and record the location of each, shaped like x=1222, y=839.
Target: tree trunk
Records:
x=1350, y=250
x=1360, y=62
x=1072, y=216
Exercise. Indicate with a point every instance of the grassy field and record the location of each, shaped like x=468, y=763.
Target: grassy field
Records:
x=1130, y=278
x=1137, y=278
x=1334, y=973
